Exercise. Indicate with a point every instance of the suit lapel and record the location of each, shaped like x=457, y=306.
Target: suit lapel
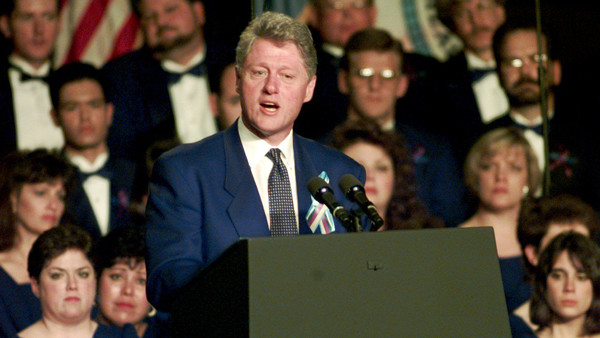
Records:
x=246, y=211
x=8, y=135
x=305, y=170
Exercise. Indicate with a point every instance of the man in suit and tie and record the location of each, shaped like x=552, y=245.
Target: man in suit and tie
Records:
x=161, y=91
x=251, y=179
x=31, y=27
x=102, y=189
x=572, y=135
x=472, y=83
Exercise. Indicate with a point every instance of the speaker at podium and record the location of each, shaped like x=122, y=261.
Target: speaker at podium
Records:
x=411, y=283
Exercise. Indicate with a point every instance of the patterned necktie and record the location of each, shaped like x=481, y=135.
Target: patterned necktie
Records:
x=281, y=206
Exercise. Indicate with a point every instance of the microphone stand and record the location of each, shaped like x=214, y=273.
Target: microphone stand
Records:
x=543, y=99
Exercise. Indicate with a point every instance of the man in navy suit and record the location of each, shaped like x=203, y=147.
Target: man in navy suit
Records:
x=205, y=196
x=101, y=196
x=161, y=91
x=372, y=75
x=31, y=28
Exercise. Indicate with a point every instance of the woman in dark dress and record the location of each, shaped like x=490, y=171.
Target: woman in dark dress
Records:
x=122, y=283
x=33, y=187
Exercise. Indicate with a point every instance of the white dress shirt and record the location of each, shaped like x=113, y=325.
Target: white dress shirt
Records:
x=256, y=150
x=97, y=189
x=32, y=105
x=194, y=119
x=491, y=99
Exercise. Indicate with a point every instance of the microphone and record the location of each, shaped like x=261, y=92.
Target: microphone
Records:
x=323, y=193
x=354, y=190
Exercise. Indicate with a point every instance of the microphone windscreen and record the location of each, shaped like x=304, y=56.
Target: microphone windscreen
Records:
x=347, y=182
x=316, y=184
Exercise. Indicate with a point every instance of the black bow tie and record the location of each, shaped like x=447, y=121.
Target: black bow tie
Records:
x=27, y=77
x=198, y=70
x=478, y=74
x=103, y=172
x=536, y=128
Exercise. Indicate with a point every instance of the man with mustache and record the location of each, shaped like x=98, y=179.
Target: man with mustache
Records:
x=472, y=84
x=161, y=91
x=571, y=140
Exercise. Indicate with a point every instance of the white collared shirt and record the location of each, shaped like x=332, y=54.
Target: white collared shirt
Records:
x=194, y=119
x=489, y=94
x=97, y=189
x=256, y=149
x=32, y=105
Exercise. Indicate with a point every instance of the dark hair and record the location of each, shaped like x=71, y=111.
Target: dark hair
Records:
x=27, y=167
x=585, y=255
x=73, y=72
x=406, y=210
x=317, y=3
x=9, y=6
x=372, y=39
x=537, y=215
x=122, y=243
x=53, y=243
x=516, y=24
x=445, y=9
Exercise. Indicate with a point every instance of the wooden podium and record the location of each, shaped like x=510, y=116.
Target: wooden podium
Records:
x=414, y=283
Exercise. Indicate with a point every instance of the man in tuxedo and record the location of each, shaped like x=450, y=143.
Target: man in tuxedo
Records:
x=31, y=27
x=251, y=179
x=473, y=87
x=372, y=75
x=572, y=137
x=100, y=199
x=161, y=91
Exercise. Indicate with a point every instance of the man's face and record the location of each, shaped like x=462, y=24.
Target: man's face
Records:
x=273, y=84
x=476, y=21
x=373, y=83
x=33, y=27
x=228, y=99
x=171, y=24
x=518, y=68
x=337, y=20
x=83, y=114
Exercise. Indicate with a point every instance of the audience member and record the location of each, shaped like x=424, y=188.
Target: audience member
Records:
x=63, y=278
x=372, y=76
x=540, y=221
x=205, y=196
x=571, y=150
x=476, y=95
x=104, y=183
x=121, y=267
x=161, y=91
x=224, y=99
x=25, y=123
x=33, y=188
x=390, y=183
x=566, y=297
x=500, y=171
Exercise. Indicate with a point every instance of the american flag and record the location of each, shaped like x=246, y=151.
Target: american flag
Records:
x=96, y=31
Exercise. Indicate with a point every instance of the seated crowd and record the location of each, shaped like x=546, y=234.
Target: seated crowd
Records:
x=78, y=144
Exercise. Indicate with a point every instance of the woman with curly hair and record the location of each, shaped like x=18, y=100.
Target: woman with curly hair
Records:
x=390, y=183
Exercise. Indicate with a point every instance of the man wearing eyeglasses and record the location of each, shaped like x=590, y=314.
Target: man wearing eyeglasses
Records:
x=335, y=21
x=372, y=76
x=571, y=150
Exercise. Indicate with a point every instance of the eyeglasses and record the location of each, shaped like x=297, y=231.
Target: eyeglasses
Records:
x=368, y=73
x=520, y=62
x=345, y=4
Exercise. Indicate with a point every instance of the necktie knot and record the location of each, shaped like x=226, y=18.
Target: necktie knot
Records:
x=274, y=155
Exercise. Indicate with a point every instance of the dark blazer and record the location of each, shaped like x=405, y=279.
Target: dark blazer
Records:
x=78, y=206
x=203, y=199
x=8, y=132
x=138, y=87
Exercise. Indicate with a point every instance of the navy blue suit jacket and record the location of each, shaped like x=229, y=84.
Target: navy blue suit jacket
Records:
x=203, y=199
x=122, y=174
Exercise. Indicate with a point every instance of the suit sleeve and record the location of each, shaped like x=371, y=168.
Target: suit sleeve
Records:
x=174, y=230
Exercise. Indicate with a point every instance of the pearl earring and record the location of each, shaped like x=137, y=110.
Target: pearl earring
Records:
x=525, y=190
